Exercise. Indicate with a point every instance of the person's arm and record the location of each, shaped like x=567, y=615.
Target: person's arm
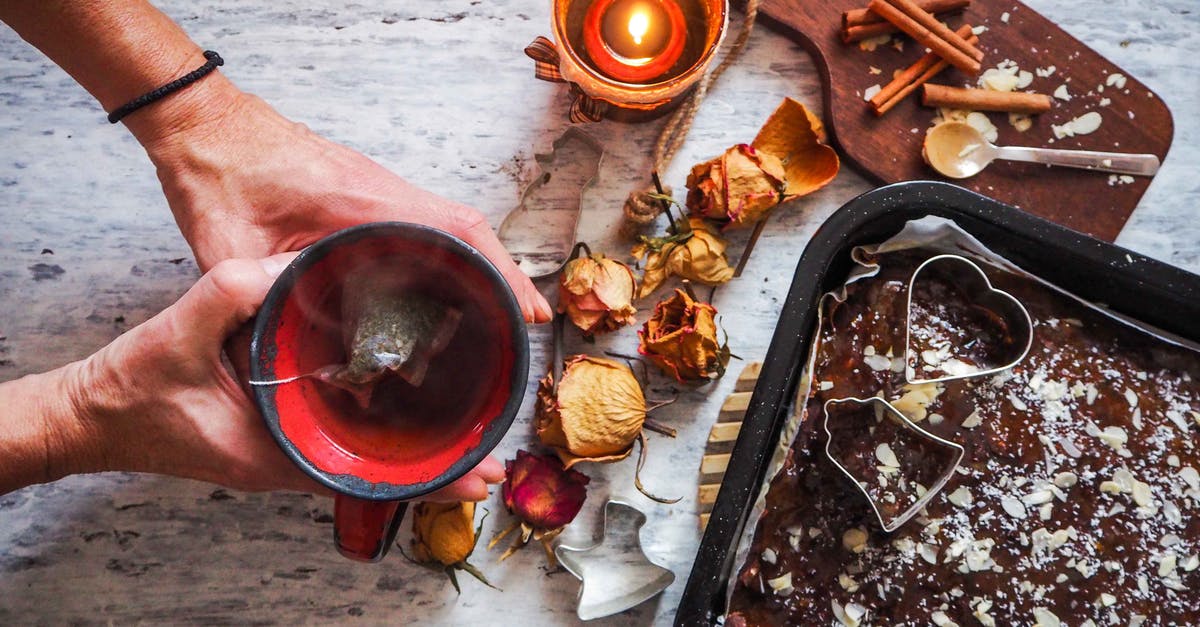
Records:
x=160, y=399
x=118, y=51
x=43, y=440
x=242, y=180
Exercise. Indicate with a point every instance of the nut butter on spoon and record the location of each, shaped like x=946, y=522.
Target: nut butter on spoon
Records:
x=959, y=151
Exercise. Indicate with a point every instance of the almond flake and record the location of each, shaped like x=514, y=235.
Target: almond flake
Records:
x=1065, y=479
x=1038, y=497
x=855, y=540
x=1013, y=507
x=1131, y=397
x=1114, y=437
x=928, y=552
x=886, y=456
x=1042, y=617
x=961, y=496
x=782, y=585
x=1167, y=566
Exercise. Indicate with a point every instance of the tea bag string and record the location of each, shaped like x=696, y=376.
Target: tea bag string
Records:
x=642, y=208
x=279, y=381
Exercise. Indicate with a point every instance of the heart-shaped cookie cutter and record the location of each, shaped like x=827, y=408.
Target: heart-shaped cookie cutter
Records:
x=887, y=410
x=970, y=279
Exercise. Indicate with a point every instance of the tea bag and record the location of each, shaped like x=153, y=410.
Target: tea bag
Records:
x=387, y=330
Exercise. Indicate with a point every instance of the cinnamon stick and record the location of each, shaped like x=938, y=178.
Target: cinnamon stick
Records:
x=867, y=31
x=914, y=76
x=862, y=17
x=934, y=95
x=938, y=45
x=924, y=18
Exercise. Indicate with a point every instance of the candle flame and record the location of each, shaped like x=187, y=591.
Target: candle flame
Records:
x=639, y=23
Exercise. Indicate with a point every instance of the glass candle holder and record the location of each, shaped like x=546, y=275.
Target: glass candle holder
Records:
x=633, y=59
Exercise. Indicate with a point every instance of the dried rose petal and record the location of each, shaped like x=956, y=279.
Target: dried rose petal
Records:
x=540, y=491
x=681, y=338
x=698, y=256
x=797, y=136
x=597, y=413
x=596, y=293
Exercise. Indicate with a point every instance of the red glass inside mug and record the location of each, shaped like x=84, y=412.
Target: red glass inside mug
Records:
x=410, y=440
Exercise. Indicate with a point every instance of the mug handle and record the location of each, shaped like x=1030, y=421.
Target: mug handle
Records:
x=364, y=530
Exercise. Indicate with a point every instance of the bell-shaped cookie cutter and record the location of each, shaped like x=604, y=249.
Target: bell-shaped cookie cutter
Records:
x=971, y=280
x=615, y=574
x=889, y=411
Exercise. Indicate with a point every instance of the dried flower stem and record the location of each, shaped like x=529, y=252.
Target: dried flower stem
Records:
x=671, y=226
x=500, y=536
x=558, y=352
x=658, y=404
x=637, y=475
x=758, y=229
x=659, y=427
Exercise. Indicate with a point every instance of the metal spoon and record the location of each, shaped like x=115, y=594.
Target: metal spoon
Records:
x=958, y=151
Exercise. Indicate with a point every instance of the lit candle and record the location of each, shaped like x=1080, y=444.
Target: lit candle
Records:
x=634, y=41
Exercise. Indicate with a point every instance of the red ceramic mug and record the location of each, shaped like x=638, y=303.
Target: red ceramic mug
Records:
x=414, y=440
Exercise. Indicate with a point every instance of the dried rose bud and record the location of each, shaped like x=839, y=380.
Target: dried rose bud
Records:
x=541, y=492
x=737, y=188
x=697, y=255
x=596, y=293
x=444, y=535
x=597, y=413
x=443, y=532
x=681, y=338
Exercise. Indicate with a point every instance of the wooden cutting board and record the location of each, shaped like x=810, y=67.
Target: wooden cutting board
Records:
x=888, y=148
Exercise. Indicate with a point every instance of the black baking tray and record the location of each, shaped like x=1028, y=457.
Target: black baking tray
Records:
x=1153, y=292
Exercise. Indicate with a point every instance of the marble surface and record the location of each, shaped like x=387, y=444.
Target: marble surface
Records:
x=440, y=93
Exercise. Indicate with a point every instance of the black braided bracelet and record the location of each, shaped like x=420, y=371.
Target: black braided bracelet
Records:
x=213, y=61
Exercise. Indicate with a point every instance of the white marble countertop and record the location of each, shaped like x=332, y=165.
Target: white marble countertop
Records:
x=128, y=548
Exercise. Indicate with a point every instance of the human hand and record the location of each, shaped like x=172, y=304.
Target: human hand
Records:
x=160, y=399
x=246, y=182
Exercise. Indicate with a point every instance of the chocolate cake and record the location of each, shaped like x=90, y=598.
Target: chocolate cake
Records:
x=1075, y=503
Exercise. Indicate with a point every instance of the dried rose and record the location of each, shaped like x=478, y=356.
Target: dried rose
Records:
x=542, y=492
x=786, y=160
x=597, y=413
x=681, y=338
x=596, y=293
x=738, y=188
x=697, y=255
x=445, y=534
